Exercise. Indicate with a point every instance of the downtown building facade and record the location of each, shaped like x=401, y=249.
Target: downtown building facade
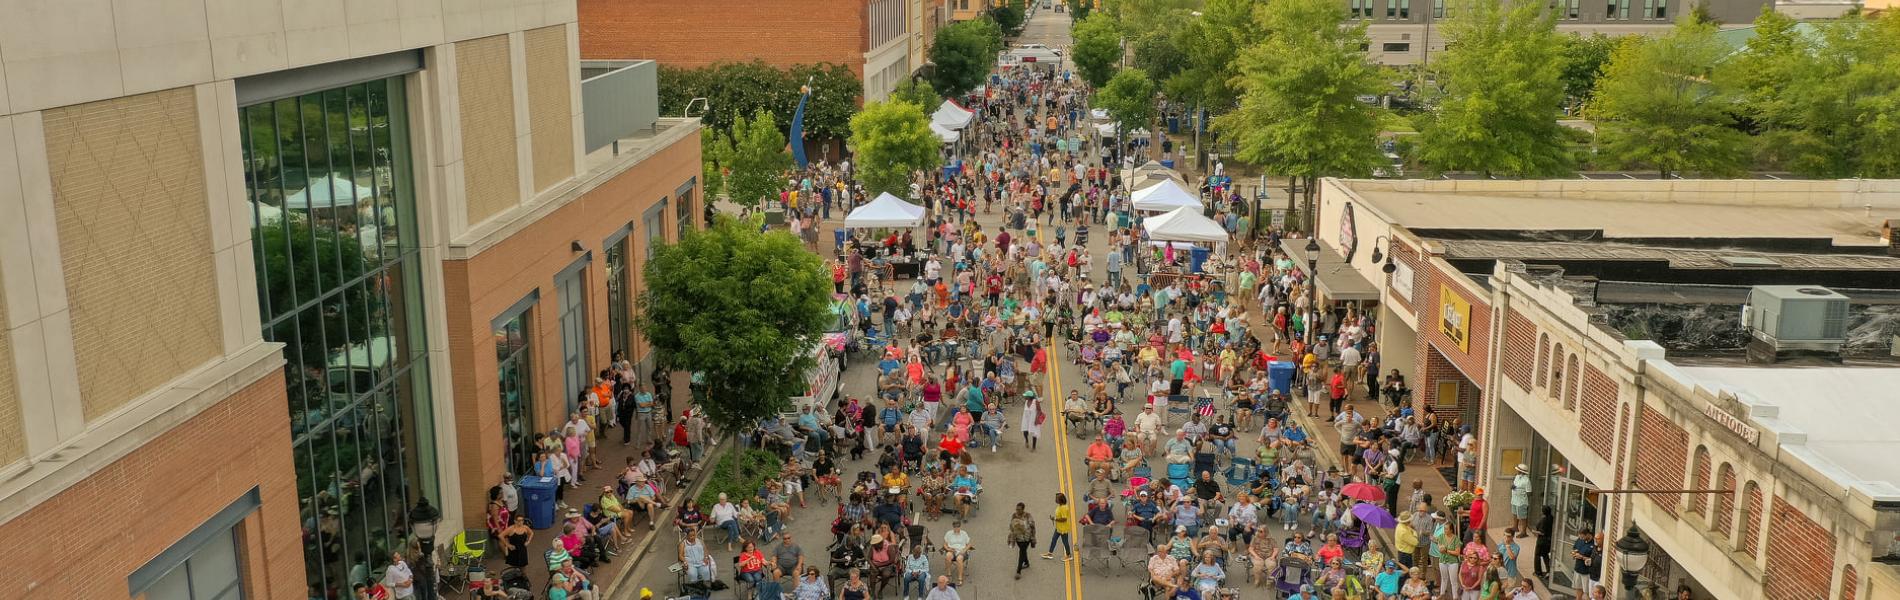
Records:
x=274, y=273
x=1593, y=332
x=884, y=42
x=1410, y=32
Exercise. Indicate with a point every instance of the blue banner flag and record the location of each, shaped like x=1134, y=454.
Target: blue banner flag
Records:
x=797, y=137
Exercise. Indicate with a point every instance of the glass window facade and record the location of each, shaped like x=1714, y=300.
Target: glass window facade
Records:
x=330, y=185
x=684, y=198
x=654, y=221
x=514, y=370
x=619, y=304
x=210, y=574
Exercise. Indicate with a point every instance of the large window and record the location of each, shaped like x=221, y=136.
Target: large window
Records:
x=571, y=292
x=329, y=180
x=513, y=376
x=211, y=573
x=619, y=305
x=684, y=197
x=655, y=223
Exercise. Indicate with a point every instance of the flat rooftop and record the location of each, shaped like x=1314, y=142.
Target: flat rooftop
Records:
x=1846, y=413
x=1848, y=213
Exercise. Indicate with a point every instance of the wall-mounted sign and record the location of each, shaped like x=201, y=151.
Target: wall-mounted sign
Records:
x=1732, y=423
x=1348, y=233
x=1402, y=280
x=1454, y=317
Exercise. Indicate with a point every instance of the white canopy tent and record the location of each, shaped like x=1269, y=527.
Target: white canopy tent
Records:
x=1148, y=168
x=951, y=116
x=1107, y=130
x=886, y=211
x=1142, y=182
x=327, y=191
x=1098, y=114
x=948, y=135
x=1165, y=196
x=1184, y=224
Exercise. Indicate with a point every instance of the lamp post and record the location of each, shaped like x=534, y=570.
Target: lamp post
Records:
x=1312, y=288
x=1635, y=555
x=422, y=521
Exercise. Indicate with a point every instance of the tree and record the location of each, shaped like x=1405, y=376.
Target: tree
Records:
x=1096, y=49
x=1700, y=15
x=756, y=159
x=1212, y=44
x=1299, y=113
x=1823, y=98
x=715, y=152
x=1129, y=98
x=735, y=90
x=741, y=309
x=1162, y=52
x=1583, y=59
x=964, y=53
x=298, y=262
x=1503, y=90
x=1010, y=16
x=1080, y=9
x=892, y=140
x=918, y=92
x=1658, y=107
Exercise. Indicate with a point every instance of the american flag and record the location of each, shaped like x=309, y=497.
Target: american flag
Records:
x=1205, y=407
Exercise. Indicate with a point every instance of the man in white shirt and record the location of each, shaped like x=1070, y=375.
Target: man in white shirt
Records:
x=1147, y=428
x=956, y=548
x=400, y=581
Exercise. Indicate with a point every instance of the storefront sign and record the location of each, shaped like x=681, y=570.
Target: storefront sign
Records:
x=1278, y=219
x=1348, y=233
x=1731, y=422
x=1454, y=317
x=1402, y=280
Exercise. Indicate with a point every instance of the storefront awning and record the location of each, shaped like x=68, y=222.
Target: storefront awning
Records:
x=1337, y=280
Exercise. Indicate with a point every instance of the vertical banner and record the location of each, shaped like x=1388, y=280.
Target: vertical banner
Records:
x=797, y=137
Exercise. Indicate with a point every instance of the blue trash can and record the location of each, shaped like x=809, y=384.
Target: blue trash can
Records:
x=537, y=498
x=1280, y=376
x=1199, y=255
x=1169, y=163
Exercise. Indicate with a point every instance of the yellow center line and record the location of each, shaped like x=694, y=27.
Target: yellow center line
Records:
x=1065, y=481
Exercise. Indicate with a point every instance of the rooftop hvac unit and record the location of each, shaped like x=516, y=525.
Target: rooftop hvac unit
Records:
x=1803, y=318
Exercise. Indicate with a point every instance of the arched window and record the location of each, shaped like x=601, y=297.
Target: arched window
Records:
x=1556, y=372
x=1751, y=519
x=1699, y=479
x=1724, y=503
x=1543, y=355
x=1576, y=382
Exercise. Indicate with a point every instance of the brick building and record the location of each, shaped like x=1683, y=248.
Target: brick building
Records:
x=883, y=41
x=253, y=264
x=1401, y=33
x=1607, y=352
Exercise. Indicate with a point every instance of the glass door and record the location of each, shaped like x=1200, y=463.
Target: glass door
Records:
x=573, y=336
x=1574, y=503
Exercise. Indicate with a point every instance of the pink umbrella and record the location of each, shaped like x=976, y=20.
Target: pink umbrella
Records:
x=1363, y=491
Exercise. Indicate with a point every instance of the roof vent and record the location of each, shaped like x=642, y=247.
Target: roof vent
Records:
x=1750, y=262
x=1794, y=319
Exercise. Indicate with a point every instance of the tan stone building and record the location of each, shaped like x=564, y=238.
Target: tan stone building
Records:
x=257, y=259
x=1594, y=332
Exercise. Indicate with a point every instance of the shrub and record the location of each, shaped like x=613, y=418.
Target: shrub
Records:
x=738, y=475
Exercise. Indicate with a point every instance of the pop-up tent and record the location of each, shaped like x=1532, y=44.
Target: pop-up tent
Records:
x=951, y=116
x=1151, y=179
x=886, y=211
x=948, y=135
x=1184, y=224
x=1148, y=168
x=1164, y=197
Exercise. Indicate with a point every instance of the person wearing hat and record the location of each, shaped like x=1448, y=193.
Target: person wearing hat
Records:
x=1521, y=500
x=1388, y=580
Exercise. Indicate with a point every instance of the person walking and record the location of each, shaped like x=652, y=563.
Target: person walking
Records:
x=1022, y=533
x=1064, y=518
x=1033, y=416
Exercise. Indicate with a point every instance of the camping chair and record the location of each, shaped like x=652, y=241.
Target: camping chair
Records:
x=1240, y=473
x=1096, y=546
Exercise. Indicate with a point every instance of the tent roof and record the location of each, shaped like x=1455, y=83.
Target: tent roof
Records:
x=1142, y=182
x=886, y=211
x=1165, y=196
x=952, y=116
x=946, y=134
x=329, y=190
x=1184, y=224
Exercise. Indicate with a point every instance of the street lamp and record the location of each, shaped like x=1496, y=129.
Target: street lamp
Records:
x=422, y=521
x=1312, y=288
x=1635, y=555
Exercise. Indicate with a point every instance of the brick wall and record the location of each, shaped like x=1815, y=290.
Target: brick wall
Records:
x=1801, y=559
x=1598, y=395
x=1543, y=360
x=1518, y=336
x=1751, y=519
x=1850, y=582
x=1661, y=456
x=1724, y=503
x=781, y=33
x=1699, y=503
x=85, y=541
x=481, y=288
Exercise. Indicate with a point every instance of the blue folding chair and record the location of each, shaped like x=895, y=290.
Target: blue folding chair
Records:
x=1240, y=472
x=1181, y=475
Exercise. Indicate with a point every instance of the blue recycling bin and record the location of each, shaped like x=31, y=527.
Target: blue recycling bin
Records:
x=1280, y=377
x=1199, y=255
x=537, y=497
x=1169, y=163
x=1174, y=124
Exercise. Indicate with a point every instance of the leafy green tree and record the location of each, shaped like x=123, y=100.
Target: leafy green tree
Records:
x=1212, y=44
x=1162, y=51
x=756, y=159
x=743, y=310
x=1096, y=49
x=715, y=151
x=964, y=53
x=1129, y=99
x=1010, y=16
x=1700, y=15
x=892, y=140
x=1503, y=90
x=1658, y=107
x=1299, y=114
x=1823, y=102
x=1080, y=9
x=735, y=90
x=1584, y=57
x=300, y=261
x=918, y=92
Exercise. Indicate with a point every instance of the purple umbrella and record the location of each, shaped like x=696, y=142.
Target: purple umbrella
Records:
x=1374, y=515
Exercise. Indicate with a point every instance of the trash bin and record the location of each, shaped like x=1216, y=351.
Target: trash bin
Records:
x=1199, y=256
x=1280, y=376
x=1174, y=124
x=537, y=497
x=1169, y=163
x=837, y=237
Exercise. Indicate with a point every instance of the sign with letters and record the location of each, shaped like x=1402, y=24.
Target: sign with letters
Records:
x=1454, y=317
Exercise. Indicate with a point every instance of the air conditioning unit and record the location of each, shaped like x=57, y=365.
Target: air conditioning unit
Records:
x=1803, y=318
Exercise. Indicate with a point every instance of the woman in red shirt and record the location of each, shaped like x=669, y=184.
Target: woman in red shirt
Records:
x=752, y=564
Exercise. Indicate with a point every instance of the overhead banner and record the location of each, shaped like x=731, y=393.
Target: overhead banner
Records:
x=1454, y=317
x=1348, y=233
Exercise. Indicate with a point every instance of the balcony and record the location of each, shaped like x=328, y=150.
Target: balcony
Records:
x=621, y=99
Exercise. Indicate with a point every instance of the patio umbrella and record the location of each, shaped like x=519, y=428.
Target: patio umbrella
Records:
x=1363, y=491
x=1374, y=515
